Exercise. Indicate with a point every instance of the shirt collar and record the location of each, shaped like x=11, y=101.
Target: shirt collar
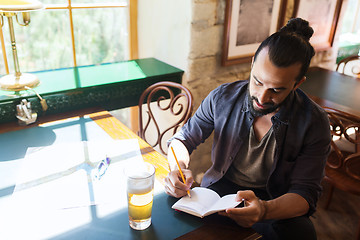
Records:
x=284, y=114
x=245, y=106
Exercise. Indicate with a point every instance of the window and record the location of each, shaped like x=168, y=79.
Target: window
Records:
x=351, y=21
x=349, y=43
x=71, y=33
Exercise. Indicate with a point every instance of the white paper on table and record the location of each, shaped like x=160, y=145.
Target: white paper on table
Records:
x=59, y=176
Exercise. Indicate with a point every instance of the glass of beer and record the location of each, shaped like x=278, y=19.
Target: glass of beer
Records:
x=140, y=194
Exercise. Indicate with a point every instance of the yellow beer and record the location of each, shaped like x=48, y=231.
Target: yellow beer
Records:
x=140, y=194
x=140, y=205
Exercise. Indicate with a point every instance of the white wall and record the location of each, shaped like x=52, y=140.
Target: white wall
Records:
x=164, y=30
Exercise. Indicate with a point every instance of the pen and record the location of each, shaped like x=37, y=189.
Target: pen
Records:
x=182, y=175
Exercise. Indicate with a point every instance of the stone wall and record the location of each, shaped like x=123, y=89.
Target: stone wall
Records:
x=205, y=72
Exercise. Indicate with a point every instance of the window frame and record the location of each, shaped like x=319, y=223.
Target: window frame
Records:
x=132, y=25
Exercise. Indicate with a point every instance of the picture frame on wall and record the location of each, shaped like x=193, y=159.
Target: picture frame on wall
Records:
x=247, y=24
x=323, y=17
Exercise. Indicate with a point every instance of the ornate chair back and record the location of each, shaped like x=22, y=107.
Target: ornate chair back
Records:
x=164, y=107
x=349, y=66
x=342, y=168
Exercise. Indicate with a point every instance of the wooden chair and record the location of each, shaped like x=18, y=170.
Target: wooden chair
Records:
x=342, y=168
x=168, y=106
x=350, y=66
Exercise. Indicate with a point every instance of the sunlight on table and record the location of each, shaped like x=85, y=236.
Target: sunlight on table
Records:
x=56, y=191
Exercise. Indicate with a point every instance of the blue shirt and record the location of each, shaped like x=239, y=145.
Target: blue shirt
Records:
x=301, y=130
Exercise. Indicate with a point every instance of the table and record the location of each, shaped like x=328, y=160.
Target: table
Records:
x=332, y=89
x=109, y=85
x=86, y=222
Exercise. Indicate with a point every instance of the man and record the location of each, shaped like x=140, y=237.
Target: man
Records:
x=270, y=140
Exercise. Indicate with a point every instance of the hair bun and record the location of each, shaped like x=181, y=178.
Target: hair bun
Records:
x=300, y=27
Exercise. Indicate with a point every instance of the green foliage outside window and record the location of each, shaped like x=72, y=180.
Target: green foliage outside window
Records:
x=101, y=36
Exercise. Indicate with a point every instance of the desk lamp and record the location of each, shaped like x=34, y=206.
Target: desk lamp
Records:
x=11, y=8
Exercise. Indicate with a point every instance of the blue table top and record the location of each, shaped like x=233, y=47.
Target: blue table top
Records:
x=166, y=222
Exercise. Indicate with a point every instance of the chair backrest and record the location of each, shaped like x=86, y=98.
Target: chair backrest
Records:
x=170, y=98
x=345, y=130
x=349, y=66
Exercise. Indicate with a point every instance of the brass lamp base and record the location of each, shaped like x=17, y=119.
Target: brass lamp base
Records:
x=13, y=83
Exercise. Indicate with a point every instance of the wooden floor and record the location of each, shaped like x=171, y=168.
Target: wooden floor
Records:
x=340, y=221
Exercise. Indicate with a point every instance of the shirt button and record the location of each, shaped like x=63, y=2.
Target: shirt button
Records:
x=230, y=158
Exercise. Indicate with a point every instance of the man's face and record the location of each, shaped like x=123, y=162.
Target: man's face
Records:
x=270, y=85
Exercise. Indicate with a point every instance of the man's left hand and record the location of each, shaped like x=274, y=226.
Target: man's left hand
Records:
x=254, y=209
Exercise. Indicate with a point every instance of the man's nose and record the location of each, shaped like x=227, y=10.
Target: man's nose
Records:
x=264, y=97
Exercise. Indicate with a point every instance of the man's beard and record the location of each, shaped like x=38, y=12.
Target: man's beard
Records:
x=270, y=107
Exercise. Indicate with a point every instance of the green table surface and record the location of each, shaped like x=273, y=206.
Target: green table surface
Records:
x=110, y=86
x=61, y=80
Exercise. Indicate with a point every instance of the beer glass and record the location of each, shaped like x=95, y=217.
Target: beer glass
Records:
x=140, y=194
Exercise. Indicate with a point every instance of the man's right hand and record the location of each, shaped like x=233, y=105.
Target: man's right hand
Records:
x=174, y=185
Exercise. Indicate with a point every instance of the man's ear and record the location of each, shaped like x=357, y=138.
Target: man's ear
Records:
x=297, y=84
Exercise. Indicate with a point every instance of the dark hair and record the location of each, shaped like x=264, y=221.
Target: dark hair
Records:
x=290, y=45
